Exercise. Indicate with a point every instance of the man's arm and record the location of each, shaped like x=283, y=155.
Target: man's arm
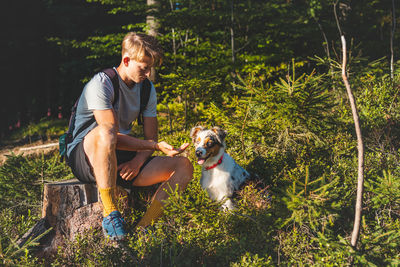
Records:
x=124, y=142
x=106, y=116
x=127, y=142
x=150, y=131
x=145, y=147
x=130, y=169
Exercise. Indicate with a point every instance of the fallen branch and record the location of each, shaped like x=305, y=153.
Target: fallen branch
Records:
x=38, y=147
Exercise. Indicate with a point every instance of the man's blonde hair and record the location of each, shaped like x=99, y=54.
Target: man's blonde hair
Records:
x=139, y=45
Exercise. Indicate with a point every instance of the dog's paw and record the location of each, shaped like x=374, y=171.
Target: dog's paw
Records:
x=228, y=205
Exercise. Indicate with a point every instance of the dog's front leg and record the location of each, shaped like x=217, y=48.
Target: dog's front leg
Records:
x=216, y=195
x=228, y=205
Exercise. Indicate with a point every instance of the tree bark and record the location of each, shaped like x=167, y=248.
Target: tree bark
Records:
x=151, y=20
x=153, y=25
x=173, y=36
x=70, y=208
x=232, y=34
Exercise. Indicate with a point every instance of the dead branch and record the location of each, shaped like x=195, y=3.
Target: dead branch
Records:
x=360, y=145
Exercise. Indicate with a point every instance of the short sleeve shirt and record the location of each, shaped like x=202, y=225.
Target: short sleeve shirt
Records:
x=98, y=94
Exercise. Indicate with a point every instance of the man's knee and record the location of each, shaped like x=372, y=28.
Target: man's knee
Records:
x=184, y=165
x=105, y=135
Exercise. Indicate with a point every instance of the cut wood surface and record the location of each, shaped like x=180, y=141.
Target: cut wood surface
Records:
x=69, y=208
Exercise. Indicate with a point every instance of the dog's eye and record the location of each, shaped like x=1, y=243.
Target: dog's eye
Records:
x=210, y=143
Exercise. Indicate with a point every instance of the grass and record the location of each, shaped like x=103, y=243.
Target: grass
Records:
x=193, y=230
x=302, y=215
x=45, y=129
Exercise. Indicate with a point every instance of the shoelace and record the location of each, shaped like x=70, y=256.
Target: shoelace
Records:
x=116, y=221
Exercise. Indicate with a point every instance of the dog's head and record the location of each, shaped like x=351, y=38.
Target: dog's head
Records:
x=207, y=142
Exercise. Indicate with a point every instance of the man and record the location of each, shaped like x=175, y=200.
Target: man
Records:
x=104, y=152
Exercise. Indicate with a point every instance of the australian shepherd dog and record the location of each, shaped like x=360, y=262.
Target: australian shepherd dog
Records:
x=221, y=176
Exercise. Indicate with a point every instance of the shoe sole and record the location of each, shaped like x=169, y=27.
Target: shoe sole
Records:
x=113, y=238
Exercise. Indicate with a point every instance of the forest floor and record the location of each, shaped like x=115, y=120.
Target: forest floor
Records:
x=27, y=149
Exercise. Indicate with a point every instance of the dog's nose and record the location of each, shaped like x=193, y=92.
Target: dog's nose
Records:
x=198, y=153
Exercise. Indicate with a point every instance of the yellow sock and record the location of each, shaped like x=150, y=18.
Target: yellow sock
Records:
x=152, y=214
x=107, y=196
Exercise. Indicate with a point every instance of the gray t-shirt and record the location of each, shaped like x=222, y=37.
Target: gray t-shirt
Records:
x=98, y=94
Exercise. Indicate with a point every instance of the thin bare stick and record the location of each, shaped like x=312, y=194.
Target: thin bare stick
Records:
x=360, y=146
x=243, y=127
x=392, y=40
x=38, y=147
x=326, y=47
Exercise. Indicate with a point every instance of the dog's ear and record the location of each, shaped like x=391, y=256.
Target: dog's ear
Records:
x=194, y=131
x=221, y=134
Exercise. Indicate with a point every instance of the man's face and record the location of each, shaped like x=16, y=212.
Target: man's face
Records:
x=138, y=71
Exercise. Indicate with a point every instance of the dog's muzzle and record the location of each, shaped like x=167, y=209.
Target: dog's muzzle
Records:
x=201, y=155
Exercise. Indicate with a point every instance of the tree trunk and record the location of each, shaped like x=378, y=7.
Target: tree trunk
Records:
x=232, y=35
x=173, y=36
x=153, y=25
x=69, y=208
x=151, y=19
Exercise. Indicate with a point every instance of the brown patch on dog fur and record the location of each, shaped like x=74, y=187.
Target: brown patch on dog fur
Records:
x=194, y=131
x=212, y=151
x=206, y=141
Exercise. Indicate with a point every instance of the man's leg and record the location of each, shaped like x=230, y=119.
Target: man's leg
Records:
x=99, y=145
x=171, y=172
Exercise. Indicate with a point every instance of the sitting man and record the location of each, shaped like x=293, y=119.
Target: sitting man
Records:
x=104, y=153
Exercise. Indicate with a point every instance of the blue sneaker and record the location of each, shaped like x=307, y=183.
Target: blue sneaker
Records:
x=113, y=226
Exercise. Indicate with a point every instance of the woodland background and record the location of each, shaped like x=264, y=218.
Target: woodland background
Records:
x=269, y=72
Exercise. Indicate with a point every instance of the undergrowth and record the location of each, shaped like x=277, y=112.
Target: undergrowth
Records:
x=297, y=136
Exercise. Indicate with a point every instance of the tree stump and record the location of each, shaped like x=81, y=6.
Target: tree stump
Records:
x=69, y=208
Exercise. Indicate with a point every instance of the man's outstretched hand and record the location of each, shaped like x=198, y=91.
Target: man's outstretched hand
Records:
x=169, y=150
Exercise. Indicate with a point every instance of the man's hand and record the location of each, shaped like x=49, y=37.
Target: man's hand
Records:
x=169, y=150
x=130, y=169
